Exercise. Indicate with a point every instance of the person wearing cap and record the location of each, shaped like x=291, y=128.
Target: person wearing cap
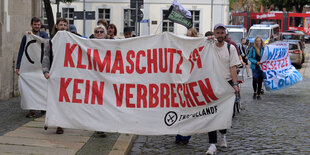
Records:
x=229, y=61
x=128, y=32
x=73, y=30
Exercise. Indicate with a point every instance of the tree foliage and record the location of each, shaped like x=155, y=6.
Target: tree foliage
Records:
x=288, y=5
x=245, y=5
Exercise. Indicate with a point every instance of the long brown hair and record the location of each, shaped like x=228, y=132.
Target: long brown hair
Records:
x=258, y=46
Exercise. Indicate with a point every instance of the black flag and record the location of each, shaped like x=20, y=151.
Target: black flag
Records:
x=180, y=15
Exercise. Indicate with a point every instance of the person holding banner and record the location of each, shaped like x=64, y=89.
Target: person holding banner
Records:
x=112, y=31
x=255, y=55
x=36, y=26
x=229, y=60
x=102, y=22
x=128, y=32
x=61, y=25
x=100, y=32
x=192, y=32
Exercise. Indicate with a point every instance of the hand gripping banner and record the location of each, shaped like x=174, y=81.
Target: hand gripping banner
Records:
x=152, y=85
x=32, y=84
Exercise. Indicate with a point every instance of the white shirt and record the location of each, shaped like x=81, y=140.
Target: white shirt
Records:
x=228, y=59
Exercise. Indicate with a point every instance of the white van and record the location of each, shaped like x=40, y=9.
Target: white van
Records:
x=236, y=32
x=269, y=33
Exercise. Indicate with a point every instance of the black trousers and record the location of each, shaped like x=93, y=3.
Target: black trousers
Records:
x=213, y=134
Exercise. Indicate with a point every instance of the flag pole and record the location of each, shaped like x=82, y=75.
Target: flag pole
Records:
x=158, y=27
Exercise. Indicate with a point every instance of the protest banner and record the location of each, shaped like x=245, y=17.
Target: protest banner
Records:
x=276, y=65
x=151, y=85
x=31, y=81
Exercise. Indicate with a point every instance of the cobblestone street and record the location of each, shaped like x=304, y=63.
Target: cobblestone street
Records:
x=277, y=124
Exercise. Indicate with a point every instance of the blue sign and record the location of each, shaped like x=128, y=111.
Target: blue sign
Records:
x=144, y=21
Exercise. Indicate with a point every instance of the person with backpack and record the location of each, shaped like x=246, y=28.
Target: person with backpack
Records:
x=244, y=54
x=229, y=60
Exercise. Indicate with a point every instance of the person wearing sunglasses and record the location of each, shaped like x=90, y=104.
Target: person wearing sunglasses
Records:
x=100, y=32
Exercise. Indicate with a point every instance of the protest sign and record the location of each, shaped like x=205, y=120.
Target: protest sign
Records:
x=31, y=81
x=277, y=67
x=152, y=85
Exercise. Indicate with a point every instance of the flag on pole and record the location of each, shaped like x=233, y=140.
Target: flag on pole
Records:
x=178, y=14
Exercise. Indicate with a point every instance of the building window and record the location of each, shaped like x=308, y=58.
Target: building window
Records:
x=196, y=17
x=104, y=14
x=68, y=14
x=128, y=21
x=168, y=26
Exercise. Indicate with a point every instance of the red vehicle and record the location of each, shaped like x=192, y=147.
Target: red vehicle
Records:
x=286, y=21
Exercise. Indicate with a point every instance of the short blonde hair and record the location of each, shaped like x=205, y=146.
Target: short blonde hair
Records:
x=100, y=27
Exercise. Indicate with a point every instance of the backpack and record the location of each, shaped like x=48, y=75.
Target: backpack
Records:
x=228, y=47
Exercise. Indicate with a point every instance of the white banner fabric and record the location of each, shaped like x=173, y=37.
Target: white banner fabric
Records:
x=152, y=85
x=31, y=81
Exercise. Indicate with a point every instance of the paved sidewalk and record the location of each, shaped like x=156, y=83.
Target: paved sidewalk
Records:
x=32, y=139
x=20, y=135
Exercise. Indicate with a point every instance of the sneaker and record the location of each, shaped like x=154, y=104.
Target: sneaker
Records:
x=30, y=114
x=259, y=98
x=262, y=91
x=59, y=130
x=211, y=150
x=223, y=142
x=254, y=96
x=100, y=134
x=178, y=139
x=185, y=142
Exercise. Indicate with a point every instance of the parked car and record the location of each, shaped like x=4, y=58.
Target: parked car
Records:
x=293, y=36
x=302, y=47
x=307, y=37
x=295, y=53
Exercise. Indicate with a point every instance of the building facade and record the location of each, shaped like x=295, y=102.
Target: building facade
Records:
x=206, y=13
x=15, y=19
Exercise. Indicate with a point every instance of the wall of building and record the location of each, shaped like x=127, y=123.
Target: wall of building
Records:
x=15, y=19
x=153, y=11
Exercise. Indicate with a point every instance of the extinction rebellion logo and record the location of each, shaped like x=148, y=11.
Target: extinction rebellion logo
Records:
x=171, y=117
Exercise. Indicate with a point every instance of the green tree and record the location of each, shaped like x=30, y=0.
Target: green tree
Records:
x=49, y=12
x=245, y=5
x=289, y=5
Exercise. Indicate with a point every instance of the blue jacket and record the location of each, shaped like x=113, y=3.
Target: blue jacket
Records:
x=251, y=56
x=22, y=47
